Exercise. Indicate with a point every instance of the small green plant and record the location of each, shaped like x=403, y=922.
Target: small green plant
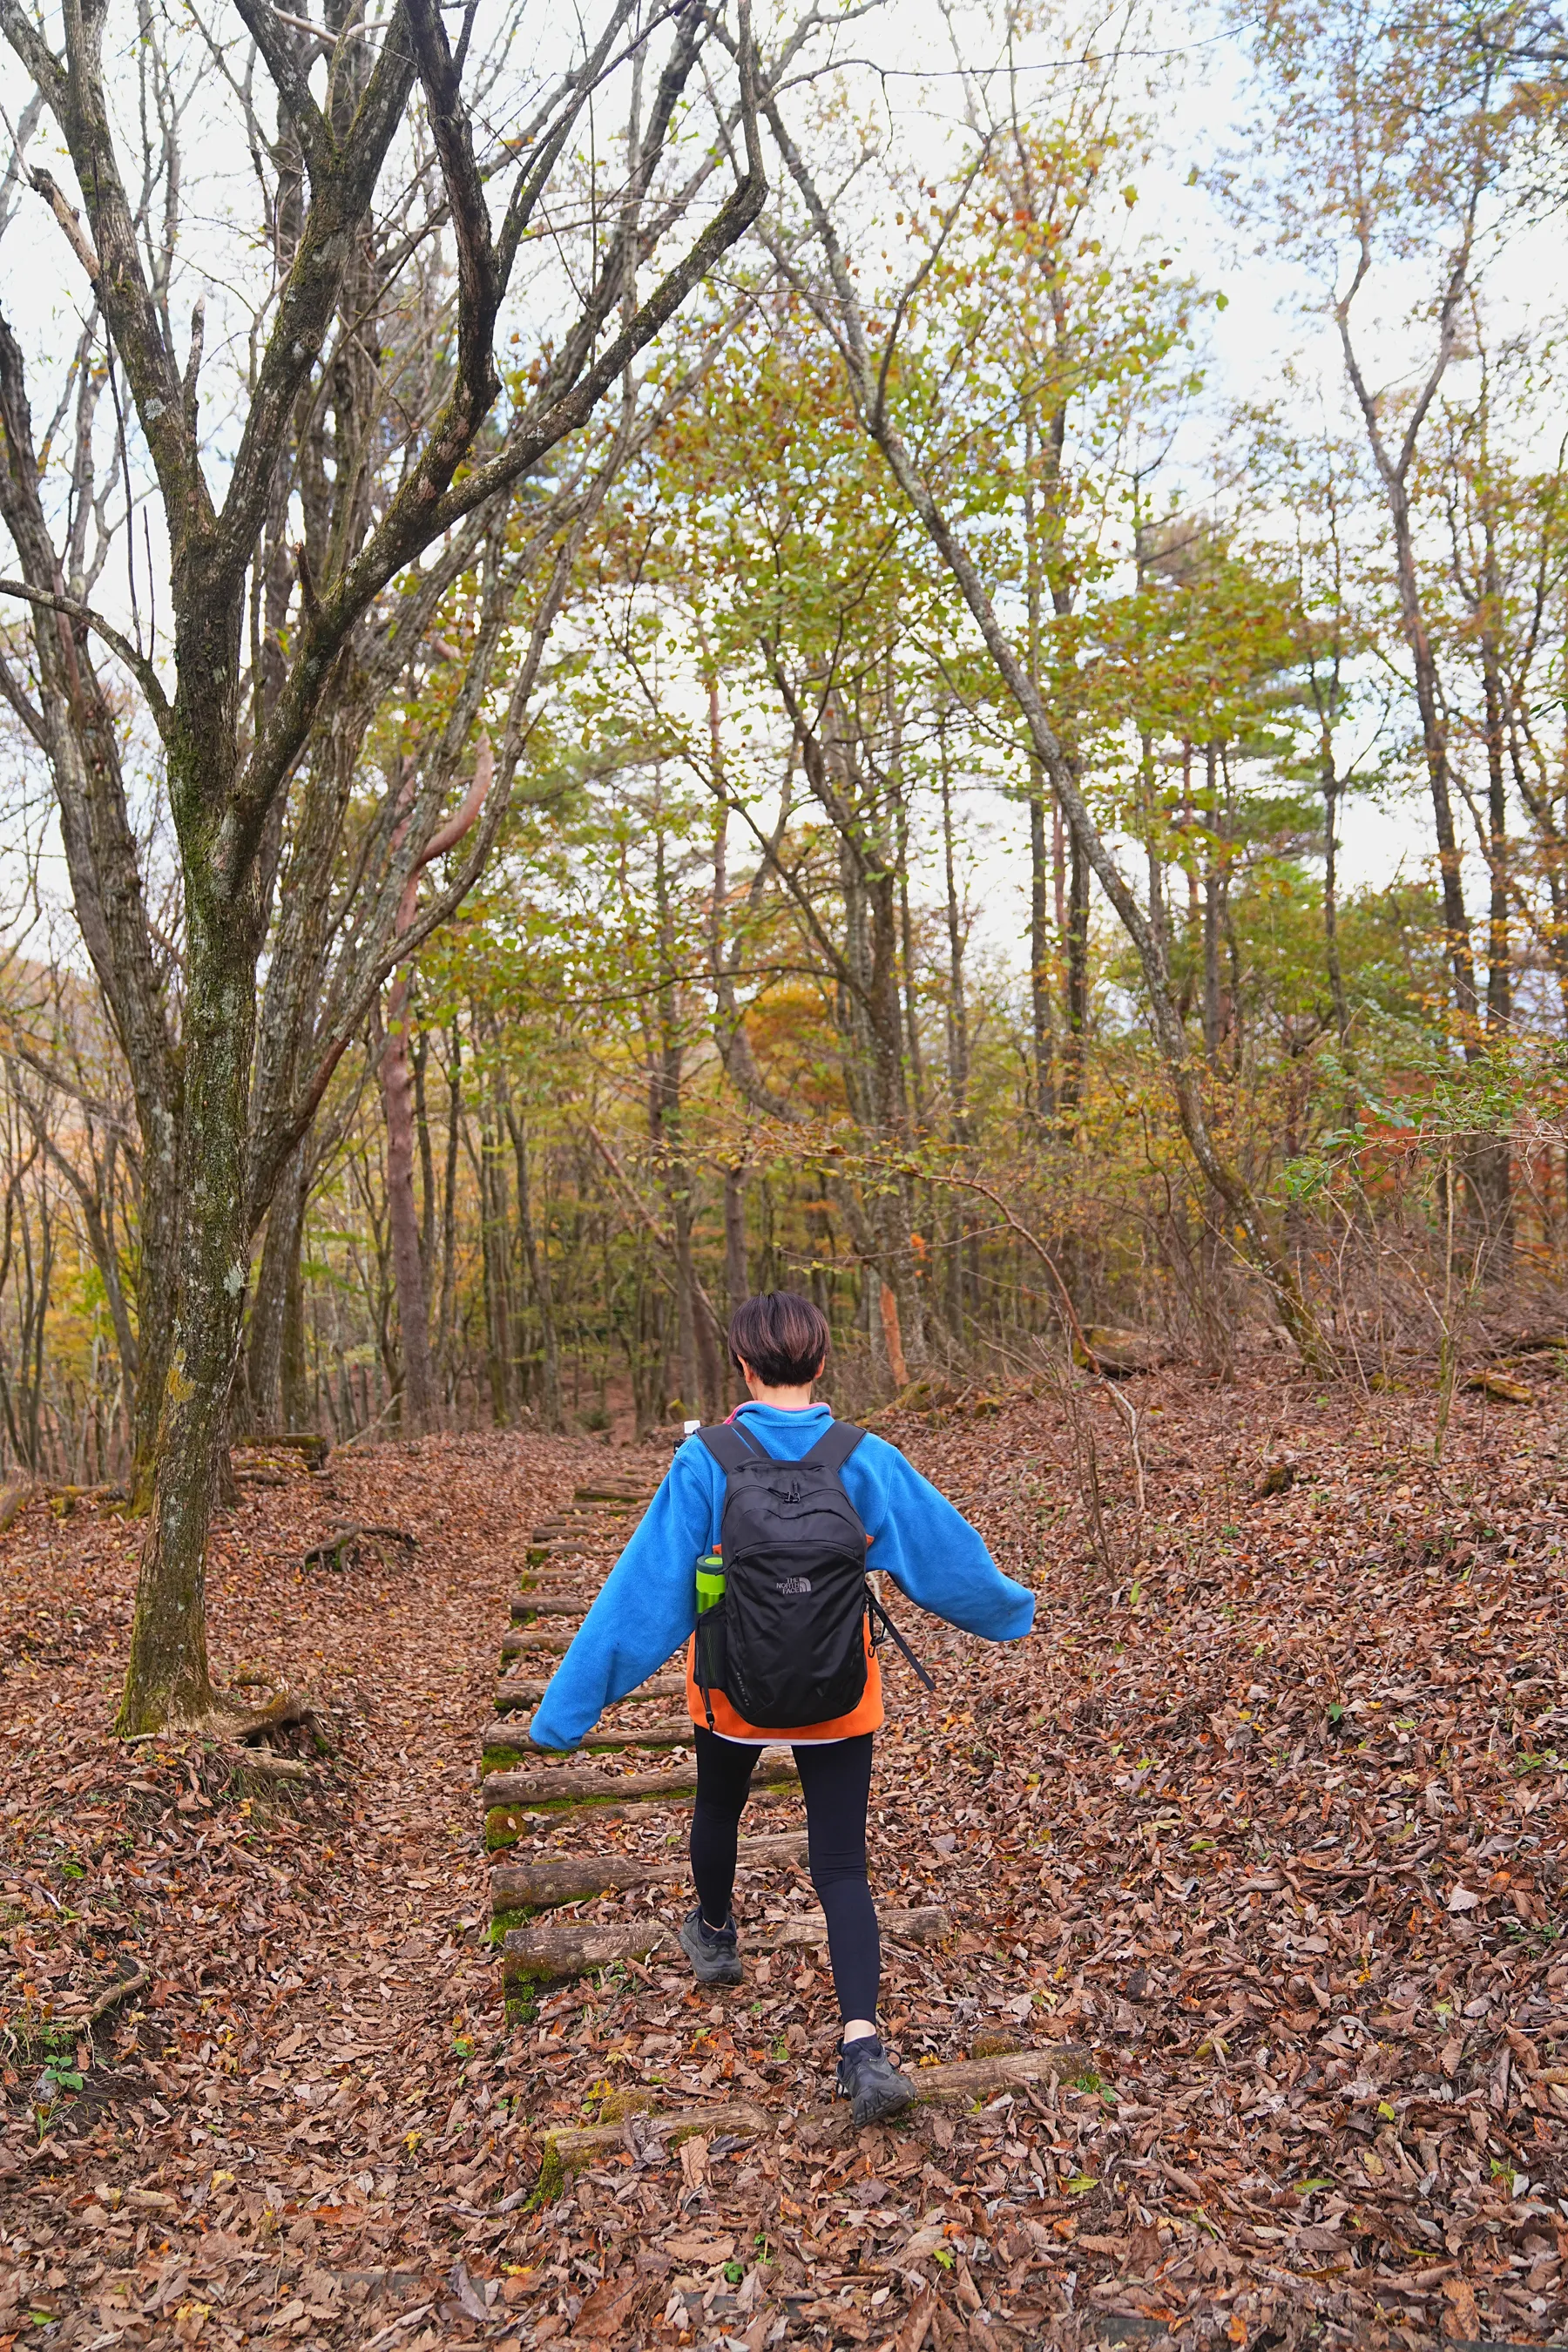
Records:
x=944, y=2256
x=1336, y=1713
x=58, y=2076
x=734, y=2273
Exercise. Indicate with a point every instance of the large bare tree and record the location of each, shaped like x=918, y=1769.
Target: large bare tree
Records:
x=371, y=454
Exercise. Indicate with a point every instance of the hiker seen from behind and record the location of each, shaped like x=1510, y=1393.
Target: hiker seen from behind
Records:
x=754, y=1554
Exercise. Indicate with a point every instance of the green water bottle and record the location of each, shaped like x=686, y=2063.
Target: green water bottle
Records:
x=709, y=1581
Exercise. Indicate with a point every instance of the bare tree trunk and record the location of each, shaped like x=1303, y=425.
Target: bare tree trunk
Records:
x=421, y=1392
x=450, y=1200
x=421, y=1396
x=1493, y=1158
x=1394, y=467
x=493, y=1250
x=1076, y=975
x=168, y=1679
x=276, y=1284
x=737, y=1285
x=539, y=1275
x=1040, y=1040
x=1331, y=789
x=957, y=1006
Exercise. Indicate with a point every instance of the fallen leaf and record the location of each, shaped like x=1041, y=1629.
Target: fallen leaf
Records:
x=706, y=2251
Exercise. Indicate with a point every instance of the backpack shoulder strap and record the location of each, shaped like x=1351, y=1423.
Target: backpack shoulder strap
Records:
x=834, y=1447
x=729, y=1448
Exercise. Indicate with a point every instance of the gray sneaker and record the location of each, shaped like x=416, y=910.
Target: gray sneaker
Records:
x=869, y=2080
x=714, y=1952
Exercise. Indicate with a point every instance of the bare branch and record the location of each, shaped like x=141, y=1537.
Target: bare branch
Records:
x=142, y=669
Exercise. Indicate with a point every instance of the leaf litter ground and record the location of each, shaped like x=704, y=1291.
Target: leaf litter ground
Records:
x=1269, y=1814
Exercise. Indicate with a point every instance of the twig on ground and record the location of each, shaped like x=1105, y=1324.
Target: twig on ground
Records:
x=121, y=1991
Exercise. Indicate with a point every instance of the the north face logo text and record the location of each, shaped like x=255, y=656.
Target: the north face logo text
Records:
x=793, y=1584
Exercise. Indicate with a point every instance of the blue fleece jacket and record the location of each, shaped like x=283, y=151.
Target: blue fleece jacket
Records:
x=647, y=1605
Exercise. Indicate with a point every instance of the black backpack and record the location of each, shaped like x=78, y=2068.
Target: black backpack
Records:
x=786, y=1642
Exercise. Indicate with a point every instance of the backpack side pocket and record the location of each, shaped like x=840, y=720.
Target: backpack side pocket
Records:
x=710, y=1656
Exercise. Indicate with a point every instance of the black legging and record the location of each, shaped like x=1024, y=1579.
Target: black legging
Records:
x=835, y=1780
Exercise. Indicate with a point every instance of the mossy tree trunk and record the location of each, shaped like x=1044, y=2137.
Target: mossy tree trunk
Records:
x=167, y=1678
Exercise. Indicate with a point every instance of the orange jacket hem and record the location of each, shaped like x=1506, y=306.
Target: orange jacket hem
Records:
x=866, y=1715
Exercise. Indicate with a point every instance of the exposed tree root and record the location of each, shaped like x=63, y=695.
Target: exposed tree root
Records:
x=332, y=1550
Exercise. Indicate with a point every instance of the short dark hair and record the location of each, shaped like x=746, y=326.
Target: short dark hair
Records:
x=782, y=1335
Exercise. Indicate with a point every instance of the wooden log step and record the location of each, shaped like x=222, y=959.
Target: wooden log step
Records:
x=525, y=1607
x=541, y=1956
x=675, y=1731
x=608, y=1492
x=530, y=1644
x=506, y=1742
x=572, y=2146
x=968, y=2079
x=314, y=1447
x=514, y=1694
x=562, y=1948
x=507, y=1825
x=572, y=1878
x=554, y=1784
x=526, y=1690
x=509, y=1796
x=550, y=1604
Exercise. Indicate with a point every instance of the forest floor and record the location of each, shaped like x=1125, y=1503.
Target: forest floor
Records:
x=1269, y=1813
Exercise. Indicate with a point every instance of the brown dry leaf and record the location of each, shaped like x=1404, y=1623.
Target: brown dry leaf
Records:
x=1462, y=2318
x=1204, y=1825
